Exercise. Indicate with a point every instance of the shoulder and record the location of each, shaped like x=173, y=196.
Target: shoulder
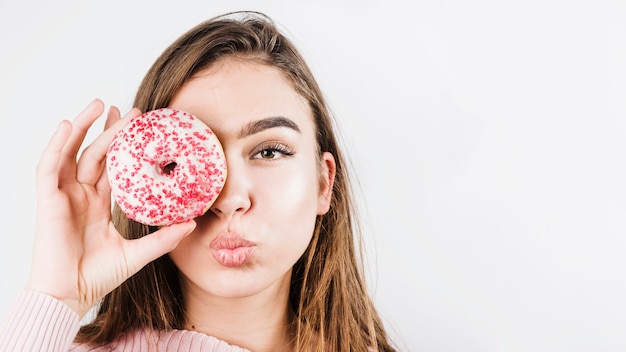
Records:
x=162, y=341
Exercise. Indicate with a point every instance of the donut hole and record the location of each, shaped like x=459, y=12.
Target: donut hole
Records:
x=168, y=168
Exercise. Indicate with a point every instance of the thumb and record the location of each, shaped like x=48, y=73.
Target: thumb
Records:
x=143, y=250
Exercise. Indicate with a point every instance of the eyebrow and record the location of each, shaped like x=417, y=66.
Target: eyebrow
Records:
x=267, y=123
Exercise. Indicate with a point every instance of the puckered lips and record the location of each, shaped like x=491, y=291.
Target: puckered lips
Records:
x=231, y=249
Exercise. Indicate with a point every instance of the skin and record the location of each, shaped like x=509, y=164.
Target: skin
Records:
x=276, y=186
x=78, y=256
x=270, y=198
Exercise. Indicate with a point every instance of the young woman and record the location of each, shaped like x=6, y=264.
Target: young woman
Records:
x=287, y=196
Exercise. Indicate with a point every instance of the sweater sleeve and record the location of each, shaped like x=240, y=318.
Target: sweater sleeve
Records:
x=38, y=322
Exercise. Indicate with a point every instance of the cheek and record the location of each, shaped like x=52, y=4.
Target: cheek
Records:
x=288, y=190
x=191, y=253
x=287, y=200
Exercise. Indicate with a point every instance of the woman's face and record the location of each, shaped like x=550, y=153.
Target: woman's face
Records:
x=276, y=183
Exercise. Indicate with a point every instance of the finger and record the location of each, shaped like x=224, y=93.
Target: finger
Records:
x=48, y=165
x=90, y=167
x=134, y=112
x=112, y=117
x=102, y=184
x=80, y=125
x=148, y=248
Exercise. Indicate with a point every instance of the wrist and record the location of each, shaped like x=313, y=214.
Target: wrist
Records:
x=72, y=303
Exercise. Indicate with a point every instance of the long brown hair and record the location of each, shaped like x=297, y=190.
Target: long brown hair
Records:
x=333, y=311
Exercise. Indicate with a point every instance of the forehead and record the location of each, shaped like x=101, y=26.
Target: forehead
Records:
x=232, y=93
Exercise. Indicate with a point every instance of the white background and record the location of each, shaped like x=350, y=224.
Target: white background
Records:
x=488, y=137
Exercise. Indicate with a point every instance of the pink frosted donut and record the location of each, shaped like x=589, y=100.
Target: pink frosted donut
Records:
x=165, y=167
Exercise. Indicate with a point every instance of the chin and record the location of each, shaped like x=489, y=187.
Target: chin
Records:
x=240, y=283
x=235, y=289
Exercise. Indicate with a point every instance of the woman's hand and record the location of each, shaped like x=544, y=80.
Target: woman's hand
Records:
x=78, y=255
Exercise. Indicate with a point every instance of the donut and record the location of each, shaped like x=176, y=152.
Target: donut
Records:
x=165, y=167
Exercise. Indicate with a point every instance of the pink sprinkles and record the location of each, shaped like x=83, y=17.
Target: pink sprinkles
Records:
x=165, y=167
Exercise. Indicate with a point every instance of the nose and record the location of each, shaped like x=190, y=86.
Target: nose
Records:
x=235, y=197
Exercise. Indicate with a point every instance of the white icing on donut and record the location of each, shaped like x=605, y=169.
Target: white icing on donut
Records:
x=165, y=167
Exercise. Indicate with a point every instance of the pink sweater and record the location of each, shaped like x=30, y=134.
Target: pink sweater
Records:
x=38, y=322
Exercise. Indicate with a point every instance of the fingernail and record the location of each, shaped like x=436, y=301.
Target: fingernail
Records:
x=60, y=126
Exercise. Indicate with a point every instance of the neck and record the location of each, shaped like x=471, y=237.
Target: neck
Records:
x=258, y=323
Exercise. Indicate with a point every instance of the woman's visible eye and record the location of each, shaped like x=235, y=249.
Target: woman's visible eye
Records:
x=271, y=151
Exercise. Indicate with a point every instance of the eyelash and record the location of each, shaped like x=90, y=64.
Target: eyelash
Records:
x=274, y=147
